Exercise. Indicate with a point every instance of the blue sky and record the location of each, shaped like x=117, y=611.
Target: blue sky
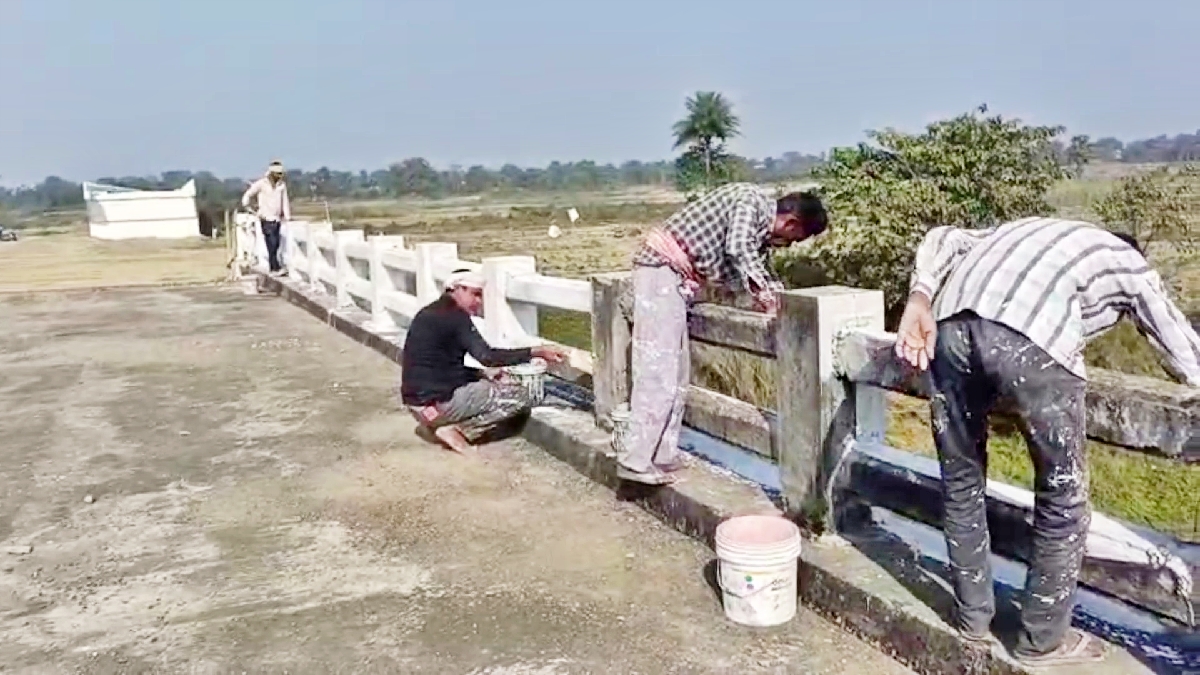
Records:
x=103, y=87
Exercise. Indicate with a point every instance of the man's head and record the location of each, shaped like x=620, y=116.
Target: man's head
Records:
x=275, y=172
x=798, y=216
x=1129, y=239
x=466, y=289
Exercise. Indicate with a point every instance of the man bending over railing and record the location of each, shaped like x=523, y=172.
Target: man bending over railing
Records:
x=722, y=238
x=457, y=403
x=1004, y=313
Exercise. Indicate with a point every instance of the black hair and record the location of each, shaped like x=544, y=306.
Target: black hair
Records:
x=1129, y=239
x=457, y=271
x=807, y=207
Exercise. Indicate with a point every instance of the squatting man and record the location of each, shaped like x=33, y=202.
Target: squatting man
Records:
x=1004, y=313
x=459, y=404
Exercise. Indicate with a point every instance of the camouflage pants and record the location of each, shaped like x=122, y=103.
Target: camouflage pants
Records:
x=661, y=369
x=477, y=408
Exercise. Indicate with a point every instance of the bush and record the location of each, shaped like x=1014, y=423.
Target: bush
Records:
x=884, y=195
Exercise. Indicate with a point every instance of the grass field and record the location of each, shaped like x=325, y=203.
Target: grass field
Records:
x=64, y=256
x=1136, y=487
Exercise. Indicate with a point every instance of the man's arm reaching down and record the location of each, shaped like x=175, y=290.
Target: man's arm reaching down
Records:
x=743, y=246
x=250, y=193
x=942, y=249
x=940, y=252
x=1167, y=328
x=484, y=353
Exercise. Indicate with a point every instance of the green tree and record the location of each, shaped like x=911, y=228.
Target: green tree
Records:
x=1153, y=206
x=694, y=170
x=1156, y=208
x=1079, y=153
x=709, y=123
x=970, y=171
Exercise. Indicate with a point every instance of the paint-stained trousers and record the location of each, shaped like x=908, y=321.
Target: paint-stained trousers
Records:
x=479, y=408
x=661, y=369
x=976, y=363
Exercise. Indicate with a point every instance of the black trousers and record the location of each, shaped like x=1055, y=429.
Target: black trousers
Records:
x=976, y=363
x=270, y=231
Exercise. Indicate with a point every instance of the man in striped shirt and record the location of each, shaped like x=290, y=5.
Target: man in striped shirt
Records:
x=722, y=238
x=1005, y=313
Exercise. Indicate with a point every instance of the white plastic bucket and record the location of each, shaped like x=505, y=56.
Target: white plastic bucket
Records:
x=532, y=376
x=757, y=569
x=620, y=417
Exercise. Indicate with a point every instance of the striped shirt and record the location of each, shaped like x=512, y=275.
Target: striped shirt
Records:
x=1058, y=282
x=725, y=234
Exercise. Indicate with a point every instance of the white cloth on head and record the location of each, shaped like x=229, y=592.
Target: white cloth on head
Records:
x=464, y=279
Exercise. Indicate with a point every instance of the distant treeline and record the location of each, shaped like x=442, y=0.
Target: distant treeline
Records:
x=416, y=177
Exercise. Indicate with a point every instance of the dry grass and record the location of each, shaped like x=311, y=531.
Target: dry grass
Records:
x=1143, y=489
x=66, y=257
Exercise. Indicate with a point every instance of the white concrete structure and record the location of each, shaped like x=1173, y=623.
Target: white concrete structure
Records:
x=125, y=213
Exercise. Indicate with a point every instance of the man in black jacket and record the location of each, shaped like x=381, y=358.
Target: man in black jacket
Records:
x=459, y=403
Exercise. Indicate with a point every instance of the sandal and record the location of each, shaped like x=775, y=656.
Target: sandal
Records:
x=654, y=476
x=1077, y=647
x=981, y=639
x=671, y=467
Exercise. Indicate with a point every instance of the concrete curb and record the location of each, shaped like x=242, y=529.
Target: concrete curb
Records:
x=837, y=578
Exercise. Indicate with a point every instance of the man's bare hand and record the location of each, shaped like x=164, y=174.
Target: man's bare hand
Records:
x=767, y=303
x=917, y=335
x=550, y=353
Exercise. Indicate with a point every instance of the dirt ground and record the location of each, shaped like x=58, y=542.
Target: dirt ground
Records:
x=216, y=483
x=69, y=258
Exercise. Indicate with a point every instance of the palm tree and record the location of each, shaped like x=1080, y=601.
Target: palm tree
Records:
x=709, y=123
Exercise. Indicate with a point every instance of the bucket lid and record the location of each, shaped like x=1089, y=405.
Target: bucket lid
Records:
x=757, y=530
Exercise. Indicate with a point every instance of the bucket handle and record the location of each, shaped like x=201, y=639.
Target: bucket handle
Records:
x=740, y=596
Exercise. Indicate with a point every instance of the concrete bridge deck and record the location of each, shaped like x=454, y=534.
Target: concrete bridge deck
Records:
x=216, y=483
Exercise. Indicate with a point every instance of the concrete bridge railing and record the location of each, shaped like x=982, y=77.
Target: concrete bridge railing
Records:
x=827, y=430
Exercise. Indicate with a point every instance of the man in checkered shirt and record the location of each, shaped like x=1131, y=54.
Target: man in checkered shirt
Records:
x=723, y=238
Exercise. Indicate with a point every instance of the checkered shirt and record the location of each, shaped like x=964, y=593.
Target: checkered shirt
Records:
x=725, y=235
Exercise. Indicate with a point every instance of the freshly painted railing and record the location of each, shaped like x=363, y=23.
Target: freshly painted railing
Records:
x=835, y=364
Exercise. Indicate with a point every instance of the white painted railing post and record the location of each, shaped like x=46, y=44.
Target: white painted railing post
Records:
x=316, y=259
x=285, y=236
x=296, y=261
x=509, y=324
x=343, y=271
x=249, y=242
x=261, y=264
x=428, y=288
x=381, y=282
x=819, y=414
